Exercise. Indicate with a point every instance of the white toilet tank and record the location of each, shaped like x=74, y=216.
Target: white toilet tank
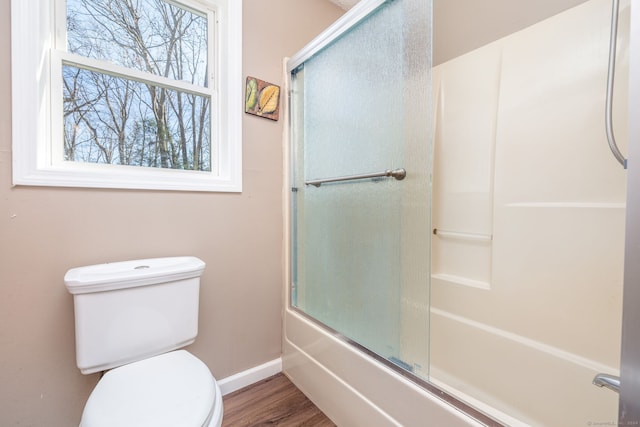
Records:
x=132, y=310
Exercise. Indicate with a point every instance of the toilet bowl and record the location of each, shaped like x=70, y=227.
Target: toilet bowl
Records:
x=174, y=389
x=132, y=319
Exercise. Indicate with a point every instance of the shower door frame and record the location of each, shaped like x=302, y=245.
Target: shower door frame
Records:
x=352, y=18
x=629, y=408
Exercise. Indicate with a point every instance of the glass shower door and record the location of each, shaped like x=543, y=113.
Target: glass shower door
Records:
x=361, y=244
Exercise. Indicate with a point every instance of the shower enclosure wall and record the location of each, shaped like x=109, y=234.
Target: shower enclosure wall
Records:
x=523, y=176
x=491, y=276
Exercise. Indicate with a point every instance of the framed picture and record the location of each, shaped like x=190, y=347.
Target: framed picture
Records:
x=262, y=99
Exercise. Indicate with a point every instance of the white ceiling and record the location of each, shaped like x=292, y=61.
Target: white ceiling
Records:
x=463, y=25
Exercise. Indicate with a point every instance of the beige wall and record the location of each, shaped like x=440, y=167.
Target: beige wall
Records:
x=45, y=231
x=460, y=26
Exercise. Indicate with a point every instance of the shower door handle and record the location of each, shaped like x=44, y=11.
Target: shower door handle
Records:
x=609, y=381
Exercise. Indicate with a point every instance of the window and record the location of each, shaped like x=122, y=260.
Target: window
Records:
x=127, y=94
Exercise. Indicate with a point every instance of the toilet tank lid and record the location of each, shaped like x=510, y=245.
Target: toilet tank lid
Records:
x=127, y=274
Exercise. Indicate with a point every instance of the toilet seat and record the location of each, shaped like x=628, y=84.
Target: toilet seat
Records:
x=174, y=389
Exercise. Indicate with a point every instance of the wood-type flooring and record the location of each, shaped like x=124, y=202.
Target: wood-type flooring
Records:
x=272, y=402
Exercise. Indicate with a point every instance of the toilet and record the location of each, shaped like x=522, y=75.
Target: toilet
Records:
x=132, y=320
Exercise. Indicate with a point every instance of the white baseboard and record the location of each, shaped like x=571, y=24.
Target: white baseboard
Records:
x=250, y=376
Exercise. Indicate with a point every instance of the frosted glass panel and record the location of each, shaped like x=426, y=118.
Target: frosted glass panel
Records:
x=361, y=248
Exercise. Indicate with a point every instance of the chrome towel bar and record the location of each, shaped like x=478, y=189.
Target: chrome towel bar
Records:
x=398, y=174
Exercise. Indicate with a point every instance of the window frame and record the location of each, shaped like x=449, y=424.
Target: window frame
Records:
x=36, y=67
